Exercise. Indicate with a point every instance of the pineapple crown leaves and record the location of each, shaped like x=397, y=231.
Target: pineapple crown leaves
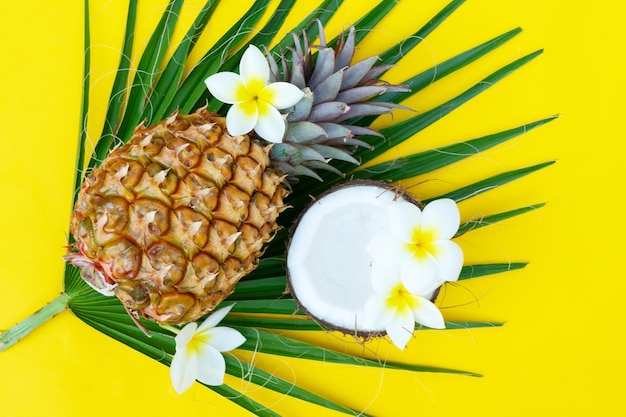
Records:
x=336, y=92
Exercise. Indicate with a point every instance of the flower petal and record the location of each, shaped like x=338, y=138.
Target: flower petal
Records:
x=400, y=329
x=225, y=338
x=378, y=313
x=214, y=318
x=385, y=276
x=210, y=366
x=254, y=69
x=281, y=95
x=385, y=247
x=427, y=314
x=420, y=275
x=404, y=218
x=270, y=124
x=241, y=118
x=183, y=369
x=185, y=335
x=227, y=87
x=449, y=260
x=442, y=218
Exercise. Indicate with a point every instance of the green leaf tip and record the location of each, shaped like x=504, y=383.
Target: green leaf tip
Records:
x=476, y=271
x=490, y=183
x=464, y=325
x=482, y=221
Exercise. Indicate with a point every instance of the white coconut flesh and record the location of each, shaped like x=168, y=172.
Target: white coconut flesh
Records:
x=328, y=264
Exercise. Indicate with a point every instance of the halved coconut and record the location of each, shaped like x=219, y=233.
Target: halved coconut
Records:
x=328, y=266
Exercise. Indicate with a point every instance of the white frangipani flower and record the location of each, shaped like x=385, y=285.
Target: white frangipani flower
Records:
x=255, y=100
x=198, y=350
x=394, y=308
x=419, y=242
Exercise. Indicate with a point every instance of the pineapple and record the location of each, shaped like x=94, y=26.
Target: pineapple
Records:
x=173, y=219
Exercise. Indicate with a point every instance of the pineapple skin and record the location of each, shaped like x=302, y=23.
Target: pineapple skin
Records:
x=174, y=218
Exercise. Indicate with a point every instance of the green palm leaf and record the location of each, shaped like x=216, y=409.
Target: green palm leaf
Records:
x=192, y=88
x=148, y=70
x=169, y=80
x=118, y=92
x=490, y=183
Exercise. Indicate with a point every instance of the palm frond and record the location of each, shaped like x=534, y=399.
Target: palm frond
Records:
x=262, y=307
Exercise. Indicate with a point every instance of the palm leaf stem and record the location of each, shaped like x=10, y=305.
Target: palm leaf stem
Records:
x=16, y=333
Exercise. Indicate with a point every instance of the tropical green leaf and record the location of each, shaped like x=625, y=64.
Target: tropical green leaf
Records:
x=460, y=325
x=489, y=183
x=169, y=80
x=399, y=132
x=274, y=288
x=450, y=66
x=73, y=284
x=322, y=13
x=264, y=37
x=260, y=288
x=243, y=401
x=126, y=332
x=270, y=381
x=118, y=91
x=158, y=354
x=365, y=24
x=267, y=306
x=311, y=325
x=192, y=88
x=110, y=317
x=268, y=267
x=148, y=69
x=441, y=70
x=421, y=163
x=260, y=340
x=495, y=218
x=84, y=106
x=397, y=52
x=292, y=323
x=119, y=330
x=477, y=271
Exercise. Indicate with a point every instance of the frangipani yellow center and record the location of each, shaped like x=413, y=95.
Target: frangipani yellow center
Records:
x=198, y=339
x=400, y=299
x=254, y=98
x=422, y=243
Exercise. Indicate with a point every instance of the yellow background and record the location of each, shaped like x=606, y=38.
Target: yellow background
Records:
x=562, y=349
